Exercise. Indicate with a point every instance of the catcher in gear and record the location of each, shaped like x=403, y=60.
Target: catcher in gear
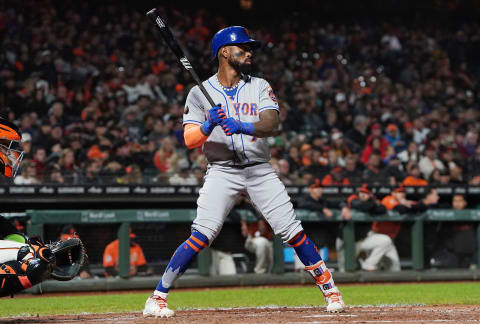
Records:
x=25, y=262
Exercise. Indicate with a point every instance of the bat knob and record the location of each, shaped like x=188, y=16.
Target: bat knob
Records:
x=152, y=12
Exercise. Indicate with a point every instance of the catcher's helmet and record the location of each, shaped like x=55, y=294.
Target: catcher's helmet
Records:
x=10, y=155
x=232, y=35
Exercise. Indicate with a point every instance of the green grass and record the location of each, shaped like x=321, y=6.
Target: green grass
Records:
x=429, y=293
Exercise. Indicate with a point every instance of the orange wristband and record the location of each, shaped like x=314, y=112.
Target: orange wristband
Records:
x=193, y=136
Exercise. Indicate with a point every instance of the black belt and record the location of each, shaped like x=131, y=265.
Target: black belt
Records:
x=243, y=166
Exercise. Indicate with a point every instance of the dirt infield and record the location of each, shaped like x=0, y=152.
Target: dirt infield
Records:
x=366, y=314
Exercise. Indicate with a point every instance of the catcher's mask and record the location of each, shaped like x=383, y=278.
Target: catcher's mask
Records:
x=11, y=154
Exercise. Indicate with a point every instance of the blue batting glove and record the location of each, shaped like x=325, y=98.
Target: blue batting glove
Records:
x=207, y=127
x=214, y=117
x=233, y=126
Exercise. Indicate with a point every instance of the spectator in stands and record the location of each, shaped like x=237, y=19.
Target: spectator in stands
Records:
x=410, y=154
x=28, y=175
x=91, y=175
x=414, y=178
x=138, y=263
x=375, y=145
x=373, y=172
x=420, y=132
x=26, y=146
x=69, y=232
x=166, y=158
x=295, y=161
x=183, y=177
x=429, y=162
x=473, y=164
x=447, y=157
x=283, y=172
x=258, y=240
x=352, y=170
x=394, y=139
x=133, y=175
x=39, y=159
x=440, y=177
x=358, y=134
x=471, y=142
x=339, y=146
x=53, y=175
x=394, y=170
x=366, y=202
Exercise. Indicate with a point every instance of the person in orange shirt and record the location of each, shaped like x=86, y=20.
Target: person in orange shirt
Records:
x=138, y=263
x=335, y=178
x=414, y=177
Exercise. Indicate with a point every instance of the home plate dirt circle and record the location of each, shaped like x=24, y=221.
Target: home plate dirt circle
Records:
x=290, y=315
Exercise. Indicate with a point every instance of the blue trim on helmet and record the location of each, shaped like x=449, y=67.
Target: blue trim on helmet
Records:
x=231, y=35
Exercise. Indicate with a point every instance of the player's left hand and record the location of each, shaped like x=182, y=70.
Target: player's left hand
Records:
x=70, y=256
x=216, y=115
x=232, y=126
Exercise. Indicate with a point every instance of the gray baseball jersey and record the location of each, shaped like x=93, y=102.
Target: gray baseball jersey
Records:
x=252, y=97
x=231, y=157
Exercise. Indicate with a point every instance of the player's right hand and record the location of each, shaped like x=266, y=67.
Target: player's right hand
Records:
x=216, y=115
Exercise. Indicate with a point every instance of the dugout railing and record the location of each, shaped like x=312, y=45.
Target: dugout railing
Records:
x=39, y=218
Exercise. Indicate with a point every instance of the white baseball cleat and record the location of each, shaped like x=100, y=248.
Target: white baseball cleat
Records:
x=334, y=301
x=157, y=306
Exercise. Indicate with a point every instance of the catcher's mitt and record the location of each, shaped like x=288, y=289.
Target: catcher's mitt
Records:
x=69, y=256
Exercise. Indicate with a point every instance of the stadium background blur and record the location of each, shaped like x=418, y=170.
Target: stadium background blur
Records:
x=377, y=92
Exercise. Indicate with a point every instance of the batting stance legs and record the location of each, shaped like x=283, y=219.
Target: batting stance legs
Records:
x=268, y=194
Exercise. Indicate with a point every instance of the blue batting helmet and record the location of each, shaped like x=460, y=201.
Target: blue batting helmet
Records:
x=231, y=35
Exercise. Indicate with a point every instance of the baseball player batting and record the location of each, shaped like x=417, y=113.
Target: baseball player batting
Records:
x=234, y=138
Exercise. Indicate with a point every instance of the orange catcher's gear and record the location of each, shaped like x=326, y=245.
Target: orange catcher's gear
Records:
x=10, y=154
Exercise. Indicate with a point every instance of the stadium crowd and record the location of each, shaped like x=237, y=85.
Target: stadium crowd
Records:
x=99, y=101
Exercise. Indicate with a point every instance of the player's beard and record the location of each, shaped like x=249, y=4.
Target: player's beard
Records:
x=241, y=68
